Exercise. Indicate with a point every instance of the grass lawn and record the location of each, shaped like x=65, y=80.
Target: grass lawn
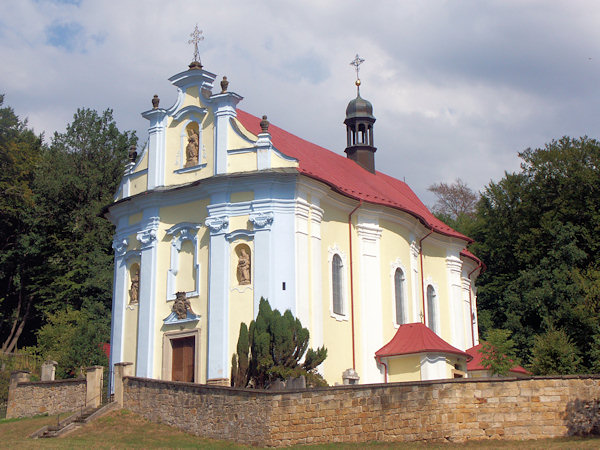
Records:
x=123, y=429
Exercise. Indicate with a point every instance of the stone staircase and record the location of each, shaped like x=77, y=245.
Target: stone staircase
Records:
x=73, y=422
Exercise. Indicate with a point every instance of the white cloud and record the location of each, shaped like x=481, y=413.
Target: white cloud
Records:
x=458, y=88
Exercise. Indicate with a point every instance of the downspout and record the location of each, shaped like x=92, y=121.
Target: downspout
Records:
x=422, y=276
x=471, y=304
x=352, y=282
x=385, y=367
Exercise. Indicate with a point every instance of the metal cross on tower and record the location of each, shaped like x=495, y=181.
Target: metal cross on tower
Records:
x=196, y=38
x=356, y=63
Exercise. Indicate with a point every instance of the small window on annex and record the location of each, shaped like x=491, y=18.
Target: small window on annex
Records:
x=336, y=282
x=399, y=296
x=432, y=309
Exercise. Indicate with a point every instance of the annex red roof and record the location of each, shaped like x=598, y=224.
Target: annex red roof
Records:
x=414, y=338
x=348, y=178
x=475, y=363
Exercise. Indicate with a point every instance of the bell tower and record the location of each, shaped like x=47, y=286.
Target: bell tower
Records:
x=359, y=127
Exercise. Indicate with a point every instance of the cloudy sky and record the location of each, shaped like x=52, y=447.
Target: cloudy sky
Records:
x=458, y=87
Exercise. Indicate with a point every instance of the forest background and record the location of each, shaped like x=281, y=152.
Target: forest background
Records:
x=537, y=231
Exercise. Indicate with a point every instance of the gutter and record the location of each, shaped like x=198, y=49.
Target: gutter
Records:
x=479, y=266
x=352, y=282
x=422, y=275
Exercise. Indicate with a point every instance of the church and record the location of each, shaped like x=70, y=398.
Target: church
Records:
x=222, y=208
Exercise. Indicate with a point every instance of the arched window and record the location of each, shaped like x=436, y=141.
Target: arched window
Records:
x=432, y=309
x=399, y=296
x=336, y=282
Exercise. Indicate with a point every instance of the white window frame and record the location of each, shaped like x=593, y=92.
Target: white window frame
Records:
x=436, y=317
x=332, y=251
x=395, y=265
x=182, y=232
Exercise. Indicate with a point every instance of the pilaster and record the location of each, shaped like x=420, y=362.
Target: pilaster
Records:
x=218, y=298
x=457, y=324
x=224, y=111
x=262, y=221
x=303, y=305
x=119, y=301
x=156, y=147
x=371, y=322
x=316, y=277
x=147, y=238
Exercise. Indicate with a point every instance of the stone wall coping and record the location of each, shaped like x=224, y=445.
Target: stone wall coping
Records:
x=49, y=383
x=353, y=387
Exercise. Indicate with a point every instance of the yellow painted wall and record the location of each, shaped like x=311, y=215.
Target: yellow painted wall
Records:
x=241, y=162
x=434, y=268
x=404, y=368
x=194, y=212
x=337, y=335
x=395, y=244
x=245, y=133
x=130, y=323
x=278, y=162
x=238, y=197
x=143, y=162
x=241, y=297
x=236, y=141
x=135, y=218
x=138, y=183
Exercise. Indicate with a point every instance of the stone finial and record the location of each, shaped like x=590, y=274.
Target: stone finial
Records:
x=49, y=370
x=195, y=65
x=155, y=101
x=224, y=85
x=132, y=152
x=350, y=376
x=264, y=124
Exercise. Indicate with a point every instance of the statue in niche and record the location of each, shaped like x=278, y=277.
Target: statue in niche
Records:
x=134, y=290
x=182, y=305
x=192, y=149
x=243, y=267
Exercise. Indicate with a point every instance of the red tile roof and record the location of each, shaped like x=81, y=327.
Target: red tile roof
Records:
x=475, y=363
x=414, y=338
x=347, y=177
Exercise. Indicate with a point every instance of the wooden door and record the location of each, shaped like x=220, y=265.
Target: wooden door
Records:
x=184, y=352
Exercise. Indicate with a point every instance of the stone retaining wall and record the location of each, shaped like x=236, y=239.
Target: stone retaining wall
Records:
x=449, y=410
x=50, y=397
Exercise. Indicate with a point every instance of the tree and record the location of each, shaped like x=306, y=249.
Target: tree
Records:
x=554, y=354
x=75, y=338
x=455, y=204
x=538, y=232
x=20, y=152
x=498, y=352
x=276, y=343
x=77, y=177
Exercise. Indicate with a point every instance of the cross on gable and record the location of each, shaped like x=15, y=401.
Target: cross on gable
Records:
x=196, y=38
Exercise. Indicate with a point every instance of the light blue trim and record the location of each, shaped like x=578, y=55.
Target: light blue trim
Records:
x=237, y=130
x=190, y=169
x=237, y=234
x=189, y=110
x=172, y=319
x=239, y=151
x=156, y=147
x=147, y=302
x=184, y=231
x=117, y=330
x=218, y=299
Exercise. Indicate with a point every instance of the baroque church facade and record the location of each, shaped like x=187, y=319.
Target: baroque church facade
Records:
x=222, y=208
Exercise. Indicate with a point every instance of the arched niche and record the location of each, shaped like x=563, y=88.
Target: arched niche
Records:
x=134, y=284
x=244, y=264
x=192, y=146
